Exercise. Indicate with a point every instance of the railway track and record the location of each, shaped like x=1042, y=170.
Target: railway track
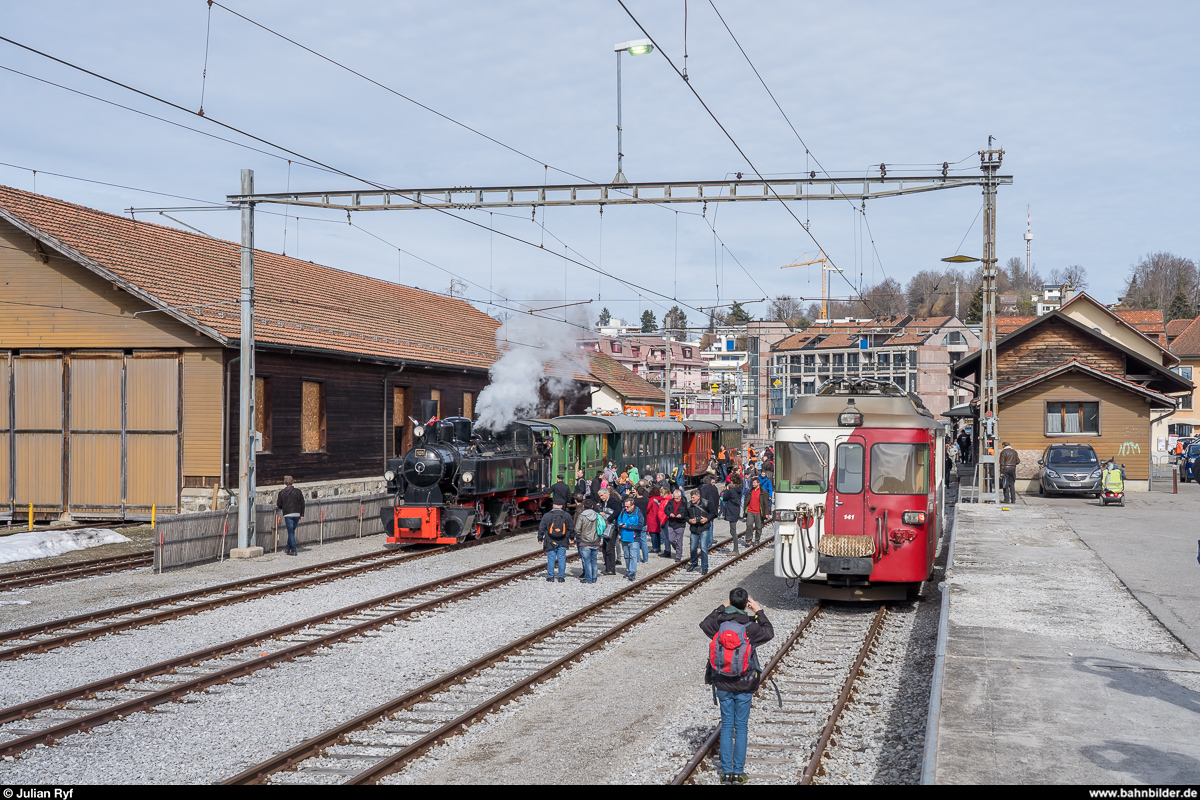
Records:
x=815, y=670
x=80, y=569
x=168, y=681
x=46, y=636
x=385, y=739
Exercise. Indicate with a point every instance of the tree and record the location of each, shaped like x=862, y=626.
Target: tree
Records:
x=785, y=309
x=975, y=308
x=1180, y=308
x=1075, y=275
x=883, y=299
x=1157, y=278
x=605, y=318
x=675, y=319
x=738, y=315
x=649, y=325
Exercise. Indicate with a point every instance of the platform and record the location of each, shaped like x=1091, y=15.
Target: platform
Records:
x=1053, y=671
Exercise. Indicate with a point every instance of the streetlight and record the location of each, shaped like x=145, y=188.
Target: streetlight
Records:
x=639, y=47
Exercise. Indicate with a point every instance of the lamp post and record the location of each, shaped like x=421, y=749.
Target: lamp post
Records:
x=639, y=47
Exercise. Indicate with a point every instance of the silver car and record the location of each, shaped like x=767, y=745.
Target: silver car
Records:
x=1069, y=468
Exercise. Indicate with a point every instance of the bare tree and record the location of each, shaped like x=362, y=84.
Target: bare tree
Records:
x=1075, y=275
x=1155, y=280
x=883, y=299
x=785, y=309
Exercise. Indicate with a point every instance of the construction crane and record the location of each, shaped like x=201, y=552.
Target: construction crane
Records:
x=826, y=268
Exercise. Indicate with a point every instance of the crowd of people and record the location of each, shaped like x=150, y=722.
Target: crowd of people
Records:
x=625, y=517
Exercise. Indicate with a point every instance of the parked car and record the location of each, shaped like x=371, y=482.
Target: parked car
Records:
x=1069, y=468
x=1187, y=462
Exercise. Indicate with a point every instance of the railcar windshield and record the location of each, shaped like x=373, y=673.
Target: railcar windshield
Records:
x=802, y=467
x=1073, y=457
x=900, y=468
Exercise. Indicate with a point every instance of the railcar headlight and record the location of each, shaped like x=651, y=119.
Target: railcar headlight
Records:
x=783, y=515
x=914, y=517
x=389, y=476
x=467, y=477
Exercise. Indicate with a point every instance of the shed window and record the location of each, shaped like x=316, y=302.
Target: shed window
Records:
x=1068, y=418
x=312, y=417
x=262, y=412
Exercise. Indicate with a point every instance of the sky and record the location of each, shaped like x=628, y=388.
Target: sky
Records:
x=1095, y=105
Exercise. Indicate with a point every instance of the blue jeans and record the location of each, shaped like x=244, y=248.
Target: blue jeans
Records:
x=631, y=557
x=735, y=718
x=587, y=555
x=698, y=548
x=641, y=537
x=657, y=540
x=558, y=554
x=291, y=523
x=708, y=537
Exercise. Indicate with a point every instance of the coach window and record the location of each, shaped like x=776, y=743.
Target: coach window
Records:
x=900, y=468
x=849, y=468
x=802, y=467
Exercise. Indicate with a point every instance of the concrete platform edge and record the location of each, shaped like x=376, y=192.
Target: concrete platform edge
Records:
x=928, y=770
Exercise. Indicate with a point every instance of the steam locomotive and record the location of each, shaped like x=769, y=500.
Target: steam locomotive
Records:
x=456, y=483
x=459, y=482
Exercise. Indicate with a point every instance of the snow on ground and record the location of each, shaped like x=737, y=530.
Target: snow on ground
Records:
x=44, y=544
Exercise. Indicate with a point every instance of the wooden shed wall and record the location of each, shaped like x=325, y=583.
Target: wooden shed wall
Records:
x=1049, y=346
x=203, y=396
x=360, y=422
x=1124, y=422
x=64, y=305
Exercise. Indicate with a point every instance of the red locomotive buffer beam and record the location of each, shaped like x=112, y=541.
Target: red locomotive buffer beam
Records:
x=422, y=525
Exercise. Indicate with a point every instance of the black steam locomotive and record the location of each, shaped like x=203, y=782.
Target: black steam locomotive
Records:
x=458, y=483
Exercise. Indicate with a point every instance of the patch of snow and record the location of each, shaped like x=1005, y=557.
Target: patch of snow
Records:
x=44, y=544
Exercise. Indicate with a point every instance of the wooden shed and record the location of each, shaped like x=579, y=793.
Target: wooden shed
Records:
x=118, y=374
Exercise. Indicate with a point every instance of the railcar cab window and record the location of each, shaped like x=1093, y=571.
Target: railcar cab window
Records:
x=900, y=468
x=802, y=467
x=849, y=468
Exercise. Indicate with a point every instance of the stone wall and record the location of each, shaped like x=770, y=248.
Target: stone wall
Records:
x=194, y=500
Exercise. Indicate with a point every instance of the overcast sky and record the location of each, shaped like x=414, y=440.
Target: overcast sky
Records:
x=1095, y=104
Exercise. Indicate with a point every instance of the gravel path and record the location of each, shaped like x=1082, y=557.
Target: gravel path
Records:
x=215, y=734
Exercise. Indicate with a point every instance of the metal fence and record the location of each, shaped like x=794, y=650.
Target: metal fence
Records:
x=187, y=539
x=1164, y=474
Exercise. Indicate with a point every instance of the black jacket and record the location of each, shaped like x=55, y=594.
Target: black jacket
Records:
x=551, y=542
x=560, y=494
x=290, y=501
x=676, y=513
x=698, y=511
x=710, y=496
x=731, y=503
x=759, y=632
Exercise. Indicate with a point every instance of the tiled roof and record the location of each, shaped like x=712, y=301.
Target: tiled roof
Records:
x=1177, y=326
x=1187, y=343
x=1139, y=317
x=610, y=372
x=1009, y=324
x=795, y=341
x=297, y=303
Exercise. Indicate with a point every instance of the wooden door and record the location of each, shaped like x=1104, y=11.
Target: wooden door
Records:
x=38, y=425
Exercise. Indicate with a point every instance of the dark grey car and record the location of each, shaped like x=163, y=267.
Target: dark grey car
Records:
x=1069, y=468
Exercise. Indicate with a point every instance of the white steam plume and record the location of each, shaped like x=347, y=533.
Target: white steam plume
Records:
x=540, y=358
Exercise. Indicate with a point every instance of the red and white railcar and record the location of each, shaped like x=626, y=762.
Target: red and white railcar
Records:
x=859, y=492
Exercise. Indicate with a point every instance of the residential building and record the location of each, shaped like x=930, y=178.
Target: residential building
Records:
x=1186, y=345
x=1048, y=298
x=913, y=353
x=646, y=357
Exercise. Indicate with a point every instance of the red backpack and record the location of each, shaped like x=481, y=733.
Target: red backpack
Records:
x=730, y=653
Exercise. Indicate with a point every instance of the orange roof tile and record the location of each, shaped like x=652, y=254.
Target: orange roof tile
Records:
x=1139, y=317
x=612, y=373
x=1187, y=343
x=1177, y=326
x=297, y=303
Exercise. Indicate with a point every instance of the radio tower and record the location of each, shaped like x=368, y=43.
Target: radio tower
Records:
x=1028, y=240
